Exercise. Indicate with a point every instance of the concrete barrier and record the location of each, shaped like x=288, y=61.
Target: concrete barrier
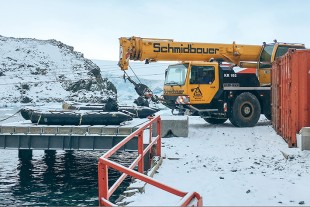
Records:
x=173, y=126
x=303, y=138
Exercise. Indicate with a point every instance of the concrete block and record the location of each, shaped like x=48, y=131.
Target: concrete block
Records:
x=35, y=130
x=22, y=130
x=50, y=130
x=111, y=130
x=303, y=139
x=95, y=130
x=7, y=129
x=64, y=130
x=80, y=130
x=172, y=126
x=124, y=131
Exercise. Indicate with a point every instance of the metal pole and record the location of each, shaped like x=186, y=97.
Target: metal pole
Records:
x=140, y=152
x=159, y=139
x=103, y=187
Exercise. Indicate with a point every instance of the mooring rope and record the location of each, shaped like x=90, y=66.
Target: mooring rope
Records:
x=81, y=118
x=39, y=119
x=10, y=116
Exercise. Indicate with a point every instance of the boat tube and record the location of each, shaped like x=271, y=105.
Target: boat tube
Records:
x=75, y=117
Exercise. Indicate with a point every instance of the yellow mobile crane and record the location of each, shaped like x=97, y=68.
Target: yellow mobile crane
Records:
x=200, y=83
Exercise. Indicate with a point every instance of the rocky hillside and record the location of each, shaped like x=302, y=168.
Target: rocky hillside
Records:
x=39, y=71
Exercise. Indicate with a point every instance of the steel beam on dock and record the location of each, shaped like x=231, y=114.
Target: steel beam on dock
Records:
x=47, y=137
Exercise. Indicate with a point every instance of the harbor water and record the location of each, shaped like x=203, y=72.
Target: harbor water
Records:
x=54, y=178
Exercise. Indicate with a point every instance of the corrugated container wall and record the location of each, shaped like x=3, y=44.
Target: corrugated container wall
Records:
x=291, y=94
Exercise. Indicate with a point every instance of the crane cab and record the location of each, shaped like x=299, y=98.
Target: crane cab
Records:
x=199, y=81
x=268, y=54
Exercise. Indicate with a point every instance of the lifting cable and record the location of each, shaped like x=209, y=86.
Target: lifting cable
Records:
x=133, y=73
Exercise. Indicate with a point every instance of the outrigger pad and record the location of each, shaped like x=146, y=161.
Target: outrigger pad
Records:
x=303, y=138
x=172, y=126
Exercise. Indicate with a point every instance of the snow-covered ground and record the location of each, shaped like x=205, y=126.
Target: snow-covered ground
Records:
x=231, y=166
x=225, y=164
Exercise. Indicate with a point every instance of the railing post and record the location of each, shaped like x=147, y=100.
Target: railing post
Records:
x=151, y=134
x=150, y=140
x=200, y=202
x=158, y=149
x=140, y=152
x=103, y=187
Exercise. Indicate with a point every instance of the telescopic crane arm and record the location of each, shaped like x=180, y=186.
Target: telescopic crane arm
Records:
x=151, y=50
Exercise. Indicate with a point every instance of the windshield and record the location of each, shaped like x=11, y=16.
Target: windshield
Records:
x=266, y=53
x=176, y=74
x=265, y=58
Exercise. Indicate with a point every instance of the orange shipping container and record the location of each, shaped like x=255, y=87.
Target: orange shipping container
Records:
x=291, y=94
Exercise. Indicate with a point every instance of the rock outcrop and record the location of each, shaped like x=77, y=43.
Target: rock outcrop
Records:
x=39, y=71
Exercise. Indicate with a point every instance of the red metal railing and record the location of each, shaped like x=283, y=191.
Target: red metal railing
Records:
x=104, y=164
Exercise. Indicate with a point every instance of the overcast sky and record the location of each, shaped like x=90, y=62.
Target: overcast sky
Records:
x=94, y=26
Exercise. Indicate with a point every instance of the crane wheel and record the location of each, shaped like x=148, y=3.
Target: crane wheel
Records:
x=231, y=119
x=215, y=121
x=245, y=110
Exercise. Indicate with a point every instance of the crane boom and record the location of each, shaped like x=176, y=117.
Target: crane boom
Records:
x=150, y=50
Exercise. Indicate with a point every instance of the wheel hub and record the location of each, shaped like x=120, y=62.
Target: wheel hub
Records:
x=246, y=110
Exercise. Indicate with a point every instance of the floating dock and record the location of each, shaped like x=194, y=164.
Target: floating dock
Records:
x=24, y=135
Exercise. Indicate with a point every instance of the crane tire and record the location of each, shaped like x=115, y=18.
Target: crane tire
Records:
x=231, y=119
x=215, y=121
x=245, y=110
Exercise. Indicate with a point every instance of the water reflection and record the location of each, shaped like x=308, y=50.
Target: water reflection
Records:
x=64, y=178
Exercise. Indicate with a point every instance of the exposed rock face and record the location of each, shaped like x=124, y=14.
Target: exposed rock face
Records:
x=34, y=70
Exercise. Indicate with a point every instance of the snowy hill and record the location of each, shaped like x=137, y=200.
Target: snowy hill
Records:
x=35, y=71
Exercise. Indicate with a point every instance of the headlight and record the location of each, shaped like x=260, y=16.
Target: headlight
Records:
x=183, y=100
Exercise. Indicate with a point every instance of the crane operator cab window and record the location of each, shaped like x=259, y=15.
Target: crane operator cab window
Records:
x=202, y=74
x=176, y=74
x=265, y=60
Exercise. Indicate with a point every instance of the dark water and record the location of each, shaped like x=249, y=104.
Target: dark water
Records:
x=59, y=178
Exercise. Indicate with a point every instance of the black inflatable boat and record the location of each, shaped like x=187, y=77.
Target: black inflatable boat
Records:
x=74, y=117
